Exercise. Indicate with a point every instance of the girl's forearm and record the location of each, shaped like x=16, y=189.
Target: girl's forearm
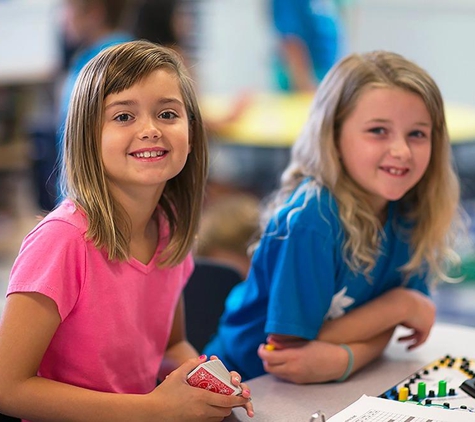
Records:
x=366, y=352
x=42, y=399
x=362, y=354
x=367, y=321
x=178, y=349
x=175, y=356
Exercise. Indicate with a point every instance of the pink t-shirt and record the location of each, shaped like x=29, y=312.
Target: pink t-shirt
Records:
x=116, y=317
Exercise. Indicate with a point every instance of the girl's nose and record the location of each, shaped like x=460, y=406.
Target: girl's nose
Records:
x=400, y=149
x=149, y=131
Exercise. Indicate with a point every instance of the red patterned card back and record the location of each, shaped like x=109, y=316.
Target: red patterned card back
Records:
x=203, y=379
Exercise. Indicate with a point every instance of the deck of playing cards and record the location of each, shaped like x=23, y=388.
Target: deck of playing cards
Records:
x=213, y=376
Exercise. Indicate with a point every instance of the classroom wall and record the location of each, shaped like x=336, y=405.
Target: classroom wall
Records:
x=235, y=46
x=237, y=41
x=437, y=34
x=28, y=40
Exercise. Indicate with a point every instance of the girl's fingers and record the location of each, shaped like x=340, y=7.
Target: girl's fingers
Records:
x=189, y=365
x=407, y=338
x=235, y=378
x=221, y=400
x=274, y=357
x=249, y=408
x=246, y=392
x=273, y=367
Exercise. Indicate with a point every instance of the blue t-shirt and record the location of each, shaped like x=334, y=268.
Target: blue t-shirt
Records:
x=299, y=278
x=317, y=24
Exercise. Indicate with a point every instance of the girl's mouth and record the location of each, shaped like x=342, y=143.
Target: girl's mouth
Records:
x=148, y=154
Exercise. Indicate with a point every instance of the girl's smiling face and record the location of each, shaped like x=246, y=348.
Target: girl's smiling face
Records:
x=385, y=143
x=145, y=134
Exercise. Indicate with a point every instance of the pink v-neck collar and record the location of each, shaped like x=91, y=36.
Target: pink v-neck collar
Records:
x=161, y=244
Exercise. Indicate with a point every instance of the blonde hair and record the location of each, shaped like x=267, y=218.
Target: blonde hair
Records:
x=432, y=205
x=83, y=176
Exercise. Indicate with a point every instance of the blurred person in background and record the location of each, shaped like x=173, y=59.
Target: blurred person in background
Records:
x=88, y=27
x=311, y=40
x=165, y=22
x=229, y=226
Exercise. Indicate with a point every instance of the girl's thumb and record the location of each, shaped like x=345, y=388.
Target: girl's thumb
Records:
x=191, y=364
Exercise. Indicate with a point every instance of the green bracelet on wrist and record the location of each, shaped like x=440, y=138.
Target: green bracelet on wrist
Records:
x=349, y=367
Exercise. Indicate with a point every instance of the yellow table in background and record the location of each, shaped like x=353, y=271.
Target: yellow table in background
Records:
x=275, y=120
x=271, y=120
x=460, y=123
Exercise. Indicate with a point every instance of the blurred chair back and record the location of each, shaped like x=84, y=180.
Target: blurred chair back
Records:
x=205, y=295
x=4, y=418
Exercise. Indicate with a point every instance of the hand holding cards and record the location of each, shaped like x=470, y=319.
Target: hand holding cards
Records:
x=213, y=376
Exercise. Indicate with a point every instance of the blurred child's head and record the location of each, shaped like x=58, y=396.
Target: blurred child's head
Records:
x=84, y=179
x=84, y=21
x=228, y=227
x=157, y=21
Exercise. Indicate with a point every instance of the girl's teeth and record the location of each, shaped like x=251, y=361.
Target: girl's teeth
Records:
x=395, y=171
x=149, y=154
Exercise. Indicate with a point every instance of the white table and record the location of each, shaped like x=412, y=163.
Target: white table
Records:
x=275, y=400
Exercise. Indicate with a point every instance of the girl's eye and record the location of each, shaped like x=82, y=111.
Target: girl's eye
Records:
x=124, y=117
x=168, y=115
x=417, y=134
x=378, y=130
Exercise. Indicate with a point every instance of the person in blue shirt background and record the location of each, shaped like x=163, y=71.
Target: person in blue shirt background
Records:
x=363, y=223
x=90, y=26
x=311, y=39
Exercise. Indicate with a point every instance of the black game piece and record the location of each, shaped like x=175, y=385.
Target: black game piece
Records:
x=469, y=387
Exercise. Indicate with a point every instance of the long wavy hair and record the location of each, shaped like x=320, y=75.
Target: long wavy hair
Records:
x=83, y=175
x=432, y=206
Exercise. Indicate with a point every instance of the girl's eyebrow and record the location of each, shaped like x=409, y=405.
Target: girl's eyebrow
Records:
x=377, y=121
x=121, y=103
x=423, y=124
x=165, y=100
x=428, y=124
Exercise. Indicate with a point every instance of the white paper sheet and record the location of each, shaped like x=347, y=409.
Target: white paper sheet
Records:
x=374, y=409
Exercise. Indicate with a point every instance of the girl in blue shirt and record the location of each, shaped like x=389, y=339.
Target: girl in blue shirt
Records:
x=362, y=224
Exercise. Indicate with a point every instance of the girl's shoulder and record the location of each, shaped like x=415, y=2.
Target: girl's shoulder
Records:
x=59, y=235
x=66, y=215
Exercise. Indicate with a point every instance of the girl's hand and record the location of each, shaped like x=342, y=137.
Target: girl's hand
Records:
x=303, y=361
x=246, y=392
x=174, y=399
x=420, y=319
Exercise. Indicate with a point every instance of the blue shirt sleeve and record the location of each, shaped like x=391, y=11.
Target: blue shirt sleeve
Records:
x=302, y=273
x=285, y=16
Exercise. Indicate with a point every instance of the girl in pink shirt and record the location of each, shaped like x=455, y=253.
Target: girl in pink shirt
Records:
x=94, y=307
